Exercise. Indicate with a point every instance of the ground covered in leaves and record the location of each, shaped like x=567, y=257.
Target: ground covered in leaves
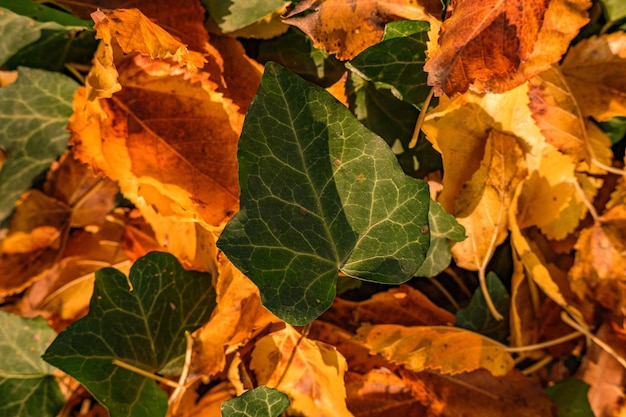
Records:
x=313, y=208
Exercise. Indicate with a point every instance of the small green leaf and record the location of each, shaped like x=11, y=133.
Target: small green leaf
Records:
x=259, y=402
x=615, y=129
x=476, y=315
x=397, y=63
x=570, y=396
x=614, y=9
x=29, y=31
x=294, y=51
x=143, y=327
x=233, y=15
x=319, y=193
x=27, y=387
x=394, y=121
x=443, y=228
x=34, y=112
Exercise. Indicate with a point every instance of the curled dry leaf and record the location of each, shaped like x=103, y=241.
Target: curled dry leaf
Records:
x=449, y=350
x=523, y=37
x=599, y=271
x=594, y=69
x=313, y=379
x=346, y=28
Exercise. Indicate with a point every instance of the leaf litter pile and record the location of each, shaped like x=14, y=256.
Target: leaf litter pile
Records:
x=313, y=208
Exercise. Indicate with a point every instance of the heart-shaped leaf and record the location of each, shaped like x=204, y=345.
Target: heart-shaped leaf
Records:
x=142, y=326
x=319, y=193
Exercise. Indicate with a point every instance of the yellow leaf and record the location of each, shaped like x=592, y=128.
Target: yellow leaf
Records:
x=482, y=205
x=313, y=379
x=449, y=350
x=595, y=69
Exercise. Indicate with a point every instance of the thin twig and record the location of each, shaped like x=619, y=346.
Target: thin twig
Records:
x=420, y=119
x=141, y=372
x=542, y=345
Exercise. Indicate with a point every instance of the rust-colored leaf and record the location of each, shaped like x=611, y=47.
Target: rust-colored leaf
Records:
x=449, y=350
x=495, y=45
x=346, y=28
x=313, y=379
x=480, y=392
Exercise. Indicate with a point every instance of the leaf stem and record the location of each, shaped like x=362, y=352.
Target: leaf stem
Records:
x=607, y=168
x=537, y=365
x=542, y=345
x=586, y=202
x=303, y=334
x=420, y=119
x=582, y=329
x=445, y=293
x=150, y=375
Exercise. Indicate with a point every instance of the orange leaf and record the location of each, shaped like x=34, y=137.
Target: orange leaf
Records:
x=594, y=69
x=495, y=45
x=313, y=379
x=346, y=27
x=449, y=350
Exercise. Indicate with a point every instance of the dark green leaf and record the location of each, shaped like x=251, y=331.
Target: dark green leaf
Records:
x=28, y=32
x=34, y=112
x=443, y=228
x=397, y=63
x=27, y=387
x=143, y=327
x=570, y=396
x=259, y=402
x=476, y=315
x=393, y=120
x=233, y=15
x=294, y=51
x=615, y=129
x=319, y=192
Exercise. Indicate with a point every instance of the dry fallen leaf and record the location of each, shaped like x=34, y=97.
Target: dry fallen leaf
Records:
x=449, y=350
x=313, y=379
x=523, y=37
x=481, y=206
x=594, y=69
x=479, y=393
x=346, y=28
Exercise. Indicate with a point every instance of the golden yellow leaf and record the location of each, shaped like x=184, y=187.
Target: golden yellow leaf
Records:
x=524, y=311
x=594, y=69
x=448, y=350
x=346, y=28
x=313, y=379
x=483, y=202
x=238, y=317
x=7, y=77
x=134, y=32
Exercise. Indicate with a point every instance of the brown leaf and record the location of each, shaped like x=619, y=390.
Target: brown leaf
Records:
x=313, y=372
x=346, y=27
x=482, y=205
x=594, y=70
x=523, y=37
x=403, y=305
x=381, y=393
x=449, y=350
x=479, y=393
x=599, y=271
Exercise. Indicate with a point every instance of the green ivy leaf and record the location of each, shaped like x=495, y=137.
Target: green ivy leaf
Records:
x=27, y=387
x=443, y=228
x=476, y=315
x=29, y=31
x=259, y=402
x=614, y=9
x=233, y=15
x=295, y=51
x=142, y=326
x=319, y=193
x=34, y=112
x=570, y=396
x=397, y=62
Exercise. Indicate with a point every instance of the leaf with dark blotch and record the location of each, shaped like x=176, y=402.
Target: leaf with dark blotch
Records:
x=319, y=193
x=142, y=326
x=259, y=402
